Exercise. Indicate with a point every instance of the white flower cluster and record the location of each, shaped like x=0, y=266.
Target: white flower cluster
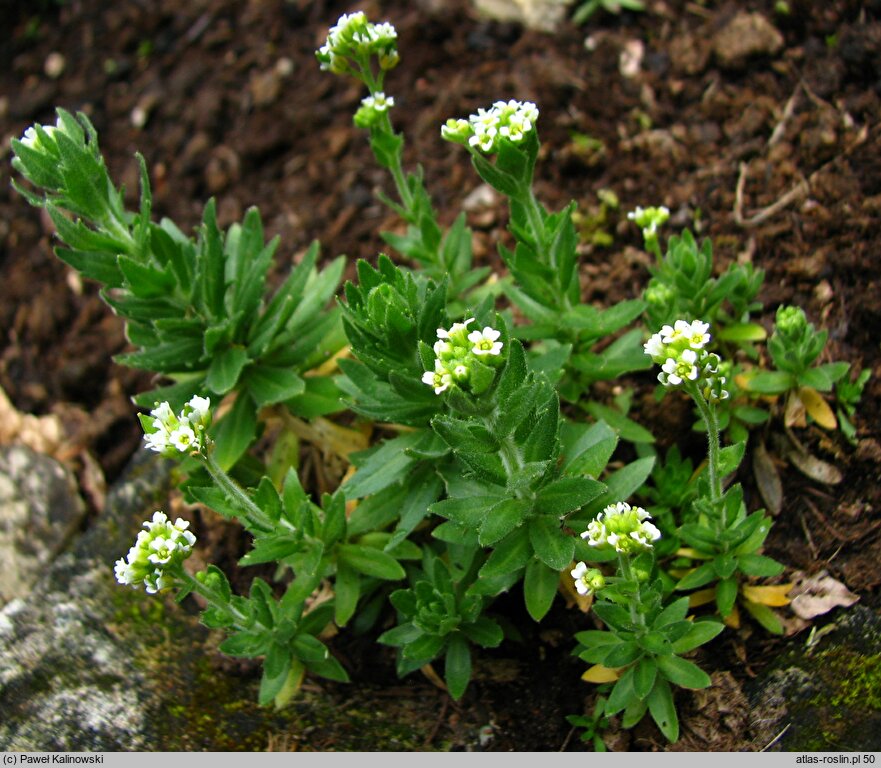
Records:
x=171, y=434
x=626, y=529
x=681, y=352
x=372, y=108
x=353, y=38
x=505, y=120
x=588, y=581
x=455, y=351
x=649, y=219
x=159, y=549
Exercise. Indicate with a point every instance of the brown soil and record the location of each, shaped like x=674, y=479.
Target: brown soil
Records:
x=236, y=108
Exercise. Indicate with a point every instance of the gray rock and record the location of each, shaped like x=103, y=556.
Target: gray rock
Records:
x=89, y=665
x=40, y=511
x=67, y=680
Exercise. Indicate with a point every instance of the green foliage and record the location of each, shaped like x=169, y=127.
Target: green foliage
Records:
x=475, y=480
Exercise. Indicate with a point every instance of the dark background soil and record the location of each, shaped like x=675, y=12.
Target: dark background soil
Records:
x=224, y=98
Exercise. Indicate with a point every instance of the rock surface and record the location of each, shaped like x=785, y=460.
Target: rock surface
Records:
x=825, y=692
x=39, y=513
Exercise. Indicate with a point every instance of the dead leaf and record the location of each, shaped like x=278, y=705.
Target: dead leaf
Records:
x=732, y=620
x=818, y=594
x=433, y=676
x=794, y=415
x=767, y=478
x=600, y=674
x=775, y=595
x=702, y=597
x=818, y=409
x=815, y=468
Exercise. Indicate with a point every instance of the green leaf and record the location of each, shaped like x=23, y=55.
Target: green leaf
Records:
x=93, y=265
x=644, y=677
x=225, y=369
x=622, y=693
x=320, y=397
x=700, y=632
x=484, y=632
x=676, y=611
x=770, y=382
x=269, y=385
x=511, y=555
x=724, y=565
x=309, y=648
x=457, y=667
x=470, y=512
x=501, y=519
x=739, y=332
x=700, y=576
x=682, y=672
x=759, y=565
x=726, y=593
x=663, y=710
x=551, y=545
x=539, y=588
x=381, y=466
x=730, y=457
x=764, y=616
x=567, y=494
x=587, y=450
x=370, y=561
x=235, y=432
x=625, y=427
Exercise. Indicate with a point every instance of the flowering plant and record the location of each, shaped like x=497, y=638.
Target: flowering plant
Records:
x=482, y=474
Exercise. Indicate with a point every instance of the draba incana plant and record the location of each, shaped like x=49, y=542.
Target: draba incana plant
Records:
x=488, y=468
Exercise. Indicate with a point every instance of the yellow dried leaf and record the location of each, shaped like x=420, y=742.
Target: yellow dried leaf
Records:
x=818, y=409
x=600, y=674
x=732, y=620
x=701, y=597
x=433, y=676
x=775, y=595
x=570, y=594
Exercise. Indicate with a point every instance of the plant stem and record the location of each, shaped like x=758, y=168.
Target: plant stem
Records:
x=627, y=573
x=255, y=516
x=708, y=414
x=536, y=224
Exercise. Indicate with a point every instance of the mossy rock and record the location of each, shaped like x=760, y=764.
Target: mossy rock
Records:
x=825, y=695
x=88, y=665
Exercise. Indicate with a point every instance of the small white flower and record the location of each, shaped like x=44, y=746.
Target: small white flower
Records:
x=378, y=102
x=440, y=378
x=645, y=534
x=698, y=337
x=162, y=550
x=158, y=440
x=183, y=438
x=655, y=346
x=669, y=334
x=163, y=413
x=676, y=370
x=455, y=329
x=201, y=409
x=442, y=347
x=460, y=372
x=485, y=342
